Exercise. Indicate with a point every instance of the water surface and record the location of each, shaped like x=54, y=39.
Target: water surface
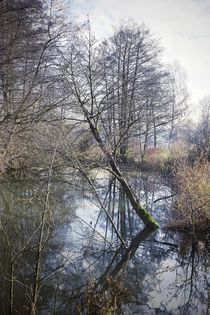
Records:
x=79, y=251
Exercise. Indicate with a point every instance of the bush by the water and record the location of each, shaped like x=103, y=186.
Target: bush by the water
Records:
x=193, y=185
x=165, y=158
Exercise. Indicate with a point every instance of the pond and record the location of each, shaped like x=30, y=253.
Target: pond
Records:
x=61, y=254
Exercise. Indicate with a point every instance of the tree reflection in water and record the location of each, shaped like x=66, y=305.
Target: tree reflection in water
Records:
x=153, y=273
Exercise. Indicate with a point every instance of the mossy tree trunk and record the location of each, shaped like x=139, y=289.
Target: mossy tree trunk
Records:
x=144, y=215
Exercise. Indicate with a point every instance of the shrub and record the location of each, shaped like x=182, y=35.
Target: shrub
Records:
x=193, y=185
x=179, y=152
x=156, y=158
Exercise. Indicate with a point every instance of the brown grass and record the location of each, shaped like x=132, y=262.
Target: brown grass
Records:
x=193, y=184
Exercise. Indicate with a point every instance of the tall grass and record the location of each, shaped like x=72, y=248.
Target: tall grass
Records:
x=193, y=185
x=163, y=159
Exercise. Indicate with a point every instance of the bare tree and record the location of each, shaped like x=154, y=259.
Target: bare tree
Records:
x=135, y=77
x=201, y=136
x=30, y=81
x=179, y=97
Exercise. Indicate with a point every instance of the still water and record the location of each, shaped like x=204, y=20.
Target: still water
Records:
x=60, y=253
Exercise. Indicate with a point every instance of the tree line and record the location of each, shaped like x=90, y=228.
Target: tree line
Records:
x=51, y=70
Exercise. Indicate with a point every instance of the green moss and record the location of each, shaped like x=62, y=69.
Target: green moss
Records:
x=148, y=220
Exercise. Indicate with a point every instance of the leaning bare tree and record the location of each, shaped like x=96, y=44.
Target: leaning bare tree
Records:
x=105, y=92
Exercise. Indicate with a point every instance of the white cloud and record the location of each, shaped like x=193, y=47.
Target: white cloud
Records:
x=183, y=27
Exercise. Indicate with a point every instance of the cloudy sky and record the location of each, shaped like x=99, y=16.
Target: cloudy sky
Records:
x=183, y=27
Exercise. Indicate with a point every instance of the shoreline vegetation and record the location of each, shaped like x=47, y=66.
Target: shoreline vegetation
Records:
x=189, y=180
